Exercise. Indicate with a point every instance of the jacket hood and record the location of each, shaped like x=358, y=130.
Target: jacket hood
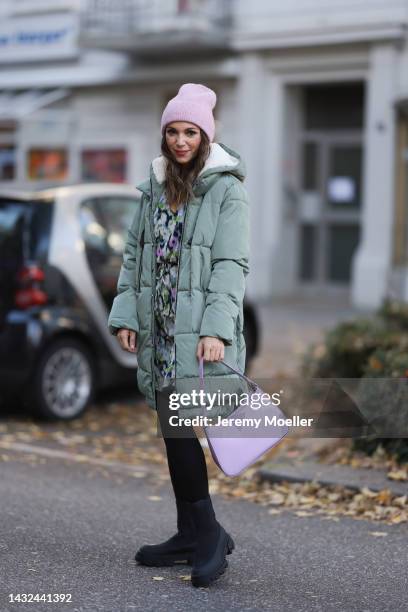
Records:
x=221, y=159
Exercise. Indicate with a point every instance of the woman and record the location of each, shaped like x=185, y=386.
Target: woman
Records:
x=180, y=298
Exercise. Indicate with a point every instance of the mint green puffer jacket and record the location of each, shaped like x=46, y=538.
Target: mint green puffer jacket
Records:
x=213, y=264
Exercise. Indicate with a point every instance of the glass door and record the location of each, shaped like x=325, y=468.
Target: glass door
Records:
x=329, y=212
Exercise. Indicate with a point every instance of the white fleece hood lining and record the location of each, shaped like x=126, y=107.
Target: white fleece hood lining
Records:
x=217, y=157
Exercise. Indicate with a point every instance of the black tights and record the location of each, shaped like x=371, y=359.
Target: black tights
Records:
x=185, y=456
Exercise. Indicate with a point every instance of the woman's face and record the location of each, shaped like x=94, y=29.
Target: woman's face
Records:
x=183, y=139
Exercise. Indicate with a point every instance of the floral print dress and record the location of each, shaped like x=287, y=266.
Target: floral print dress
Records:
x=168, y=227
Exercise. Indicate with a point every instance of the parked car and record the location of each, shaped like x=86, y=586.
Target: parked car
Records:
x=60, y=256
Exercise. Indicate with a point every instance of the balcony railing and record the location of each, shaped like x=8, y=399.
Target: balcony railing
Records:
x=154, y=24
x=300, y=22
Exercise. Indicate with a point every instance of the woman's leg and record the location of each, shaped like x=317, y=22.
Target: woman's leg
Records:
x=200, y=540
x=188, y=472
x=185, y=456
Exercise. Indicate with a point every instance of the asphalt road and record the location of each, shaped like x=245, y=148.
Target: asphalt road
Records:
x=73, y=528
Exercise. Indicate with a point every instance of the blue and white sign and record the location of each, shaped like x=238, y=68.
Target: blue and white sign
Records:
x=40, y=37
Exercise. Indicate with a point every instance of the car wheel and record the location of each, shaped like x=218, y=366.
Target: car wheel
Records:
x=64, y=382
x=249, y=332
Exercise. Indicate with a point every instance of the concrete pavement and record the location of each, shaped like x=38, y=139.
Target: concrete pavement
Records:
x=72, y=528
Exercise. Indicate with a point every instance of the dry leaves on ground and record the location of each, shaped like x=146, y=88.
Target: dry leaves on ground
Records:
x=312, y=498
x=127, y=433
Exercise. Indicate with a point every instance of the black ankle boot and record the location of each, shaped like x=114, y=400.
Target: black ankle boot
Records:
x=178, y=548
x=213, y=544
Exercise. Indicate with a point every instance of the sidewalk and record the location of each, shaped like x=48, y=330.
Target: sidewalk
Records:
x=288, y=326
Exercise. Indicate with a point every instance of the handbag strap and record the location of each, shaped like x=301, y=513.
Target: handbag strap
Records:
x=241, y=374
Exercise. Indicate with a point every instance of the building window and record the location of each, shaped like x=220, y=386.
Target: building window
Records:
x=7, y=162
x=104, y=165
x=47, y=164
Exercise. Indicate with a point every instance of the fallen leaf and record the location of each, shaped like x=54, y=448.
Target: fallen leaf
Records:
x=398, y=475
x=400, y=501
x=277, y=499
x=399, y=518
x=367, y=492
x=378, y=534
x=384, y=496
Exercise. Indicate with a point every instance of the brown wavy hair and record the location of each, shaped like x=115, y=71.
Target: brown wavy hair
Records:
x=179, y=178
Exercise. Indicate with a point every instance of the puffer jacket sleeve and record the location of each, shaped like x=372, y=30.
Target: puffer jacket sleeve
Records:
x=123, y=312
x=229, y=266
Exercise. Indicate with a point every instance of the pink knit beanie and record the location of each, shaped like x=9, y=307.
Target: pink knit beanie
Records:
x=193, y=103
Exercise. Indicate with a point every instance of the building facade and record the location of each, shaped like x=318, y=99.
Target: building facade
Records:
x=313, y=94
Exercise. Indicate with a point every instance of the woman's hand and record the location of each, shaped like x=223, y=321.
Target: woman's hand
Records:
x=211, y=348
x=127, y=339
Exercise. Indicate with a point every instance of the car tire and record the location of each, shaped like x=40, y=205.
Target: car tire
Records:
x=249, y=332
x=64, y=380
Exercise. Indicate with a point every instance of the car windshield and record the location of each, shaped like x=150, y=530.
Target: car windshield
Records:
x=22, y=225
x=24, y=236
x=14, y=232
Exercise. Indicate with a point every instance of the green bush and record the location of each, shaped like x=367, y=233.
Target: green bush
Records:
x=392, y=363
x=383, y=398
x=347, y=347
x=394, y=313
x=375, y=350
x=394, y=446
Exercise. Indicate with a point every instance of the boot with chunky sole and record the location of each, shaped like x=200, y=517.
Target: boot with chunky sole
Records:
x=180, y=548
x=213, y=544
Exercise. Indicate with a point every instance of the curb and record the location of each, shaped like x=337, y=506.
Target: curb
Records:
x=340, y=475
x=82, y=458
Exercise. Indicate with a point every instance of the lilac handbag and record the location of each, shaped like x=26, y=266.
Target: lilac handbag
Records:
x=232, y=450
